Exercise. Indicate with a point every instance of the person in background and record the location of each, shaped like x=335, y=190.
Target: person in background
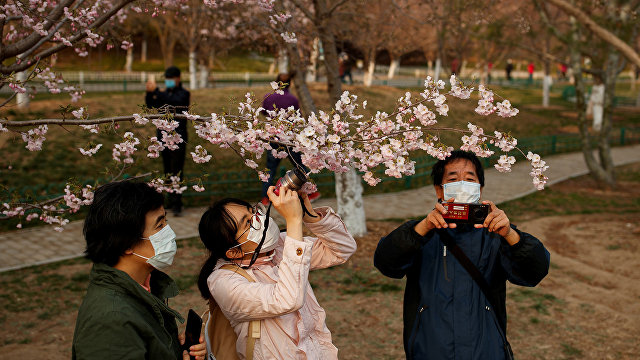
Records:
x=274, y=101
x=175, y=99
x=446, y=313
x=508, y=69
x=531, y=68
x=125, y=312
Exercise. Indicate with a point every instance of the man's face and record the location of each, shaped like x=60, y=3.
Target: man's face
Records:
x=457, y=170
x=155, y=220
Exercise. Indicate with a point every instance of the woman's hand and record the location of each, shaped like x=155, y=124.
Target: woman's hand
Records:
x=288, y=205
x=198, y=350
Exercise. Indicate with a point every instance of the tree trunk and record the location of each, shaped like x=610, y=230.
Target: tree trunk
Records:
x=393, y=68
x=463, y=68
x=348, y=187
x=307, y=105
x=272, y=66
x=167, y=41
x=597, y=171
x=438, y=69
x=22, y=99
x=350, y=202
x=143, y=51
x=312, y=69
x=128, y=64
x=203, y=76
x=212, y=58
x=193, y=70
x=283, y=61
x=546, y=84
x=167, y=53
x=368, y=75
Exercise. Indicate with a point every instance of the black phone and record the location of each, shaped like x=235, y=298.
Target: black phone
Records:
x=192, y=332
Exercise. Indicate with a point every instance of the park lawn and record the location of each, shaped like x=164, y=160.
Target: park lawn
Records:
x=586, y=308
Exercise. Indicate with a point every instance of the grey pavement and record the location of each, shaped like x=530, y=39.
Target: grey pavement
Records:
x=41, y=245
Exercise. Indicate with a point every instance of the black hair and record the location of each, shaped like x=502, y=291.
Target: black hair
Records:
x=437, y=173
x=217, y=230
x=116, y=219
x=172, y=72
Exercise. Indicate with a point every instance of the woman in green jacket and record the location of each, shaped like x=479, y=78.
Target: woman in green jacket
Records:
x=125, y=313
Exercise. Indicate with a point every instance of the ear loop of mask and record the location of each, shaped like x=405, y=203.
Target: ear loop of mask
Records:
x=256, y=252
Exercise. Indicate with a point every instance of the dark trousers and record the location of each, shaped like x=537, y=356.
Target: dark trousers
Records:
x=272, y=165
x=173, y=162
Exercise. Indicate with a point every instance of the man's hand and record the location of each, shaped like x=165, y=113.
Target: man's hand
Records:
x=434, y=220
x=151, y=86
x=198, y=350
x=498, y=222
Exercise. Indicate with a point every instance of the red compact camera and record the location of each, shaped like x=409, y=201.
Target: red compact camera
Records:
x=465, y=213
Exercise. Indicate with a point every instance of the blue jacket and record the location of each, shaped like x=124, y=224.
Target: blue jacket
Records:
x=446, y=315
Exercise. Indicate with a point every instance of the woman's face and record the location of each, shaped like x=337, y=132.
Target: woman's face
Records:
x=242, y=215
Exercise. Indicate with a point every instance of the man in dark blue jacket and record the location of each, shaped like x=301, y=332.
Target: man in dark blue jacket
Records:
x=175, y=99
x=446, y=314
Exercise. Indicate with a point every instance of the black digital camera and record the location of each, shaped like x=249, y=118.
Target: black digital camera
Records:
x=465, y=213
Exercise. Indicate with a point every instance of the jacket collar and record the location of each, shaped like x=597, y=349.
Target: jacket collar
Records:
x=162, y=286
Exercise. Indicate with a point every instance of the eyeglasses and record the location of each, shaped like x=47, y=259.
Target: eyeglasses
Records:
x=255, y=222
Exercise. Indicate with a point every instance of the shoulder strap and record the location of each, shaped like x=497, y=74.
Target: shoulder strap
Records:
x=477, y=276
x=254, y=326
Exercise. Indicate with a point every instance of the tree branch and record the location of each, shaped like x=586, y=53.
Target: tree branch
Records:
x=545, y=18
x=33, y=38
x=598, y=30
x=79, y=36
x=335, y=6
x=303, y=8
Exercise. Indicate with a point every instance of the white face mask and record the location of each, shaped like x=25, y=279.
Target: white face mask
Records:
x=270, y=239
x=255, y=234
x=164, y=246
x=462, y=191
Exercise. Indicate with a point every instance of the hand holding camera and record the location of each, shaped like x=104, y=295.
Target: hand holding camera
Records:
x=498, y=222
x=286, y=202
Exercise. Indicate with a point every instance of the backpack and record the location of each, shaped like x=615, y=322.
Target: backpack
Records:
x=220, y=337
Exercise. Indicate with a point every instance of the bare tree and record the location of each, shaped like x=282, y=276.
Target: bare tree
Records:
x=604, y=52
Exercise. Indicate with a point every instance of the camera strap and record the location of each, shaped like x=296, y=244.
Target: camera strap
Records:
x=304, y=208
x=256, y=252
x=477, y=276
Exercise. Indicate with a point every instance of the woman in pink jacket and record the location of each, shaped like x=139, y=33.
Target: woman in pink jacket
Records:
x=292, y=322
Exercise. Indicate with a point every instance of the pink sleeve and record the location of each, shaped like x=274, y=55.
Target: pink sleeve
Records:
x=334, y=245
x=241, y=300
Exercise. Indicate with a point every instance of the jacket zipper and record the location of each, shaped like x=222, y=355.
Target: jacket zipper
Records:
x=444, y=262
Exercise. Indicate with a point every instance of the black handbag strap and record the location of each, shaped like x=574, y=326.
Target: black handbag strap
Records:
x=477, y=276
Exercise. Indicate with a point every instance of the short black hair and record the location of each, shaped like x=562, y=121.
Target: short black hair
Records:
x=437, y=173
x=172, y=72
x=116, y=219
